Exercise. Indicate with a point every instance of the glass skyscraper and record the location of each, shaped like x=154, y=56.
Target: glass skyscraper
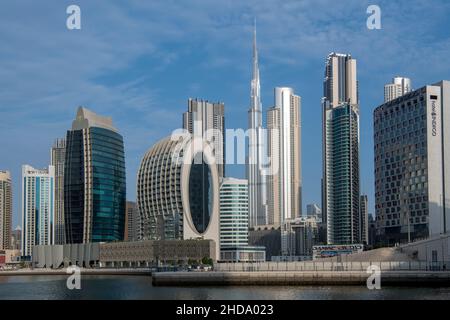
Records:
x=94, y=180
x=341, y=151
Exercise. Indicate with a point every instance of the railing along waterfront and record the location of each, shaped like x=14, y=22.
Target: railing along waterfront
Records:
x=333, y=266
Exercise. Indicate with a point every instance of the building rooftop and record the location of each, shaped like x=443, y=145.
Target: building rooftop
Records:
x=87, y=119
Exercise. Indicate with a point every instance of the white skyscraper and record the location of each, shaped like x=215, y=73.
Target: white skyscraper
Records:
x=257, y=203
x=397, y=88
x=284, y=147
x=37, y=207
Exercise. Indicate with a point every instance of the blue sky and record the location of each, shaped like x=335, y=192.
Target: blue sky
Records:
x=139, y=62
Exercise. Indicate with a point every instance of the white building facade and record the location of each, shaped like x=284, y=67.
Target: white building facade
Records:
x=284, y=142
x=397, y=88
x=38, y=213
x=233, y=213
x=178, y=191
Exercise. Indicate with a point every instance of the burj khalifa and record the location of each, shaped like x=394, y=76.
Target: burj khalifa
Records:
x=256, y=179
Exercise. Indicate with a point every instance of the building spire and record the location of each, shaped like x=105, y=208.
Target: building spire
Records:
x=257, y=204
x=255, y=85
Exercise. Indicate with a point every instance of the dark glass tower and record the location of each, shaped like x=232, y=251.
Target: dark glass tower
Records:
x=94, y=180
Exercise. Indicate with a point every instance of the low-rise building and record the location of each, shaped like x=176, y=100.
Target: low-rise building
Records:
x=268, y=237
x=123, y=254
x=243, y=254
x=300, y=235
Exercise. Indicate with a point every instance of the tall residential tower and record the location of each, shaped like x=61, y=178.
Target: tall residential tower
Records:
x=207, y=120
x=340, y=182
x=397, y=88
x=37, y=207
x=285, y=184
x=5, y=210
x=58, y=154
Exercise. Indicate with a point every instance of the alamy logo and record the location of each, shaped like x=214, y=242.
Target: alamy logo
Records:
x=374, y=20
x=374, y=280
x=211, y=141
x=74, y=280
x=74, y=20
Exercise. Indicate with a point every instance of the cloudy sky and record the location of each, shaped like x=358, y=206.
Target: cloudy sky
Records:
x=139, y=61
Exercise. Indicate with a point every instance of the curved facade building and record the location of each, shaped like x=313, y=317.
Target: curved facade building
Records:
x=178, y=191
x=94, y=180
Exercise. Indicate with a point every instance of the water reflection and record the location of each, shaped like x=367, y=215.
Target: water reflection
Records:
x=140, y=287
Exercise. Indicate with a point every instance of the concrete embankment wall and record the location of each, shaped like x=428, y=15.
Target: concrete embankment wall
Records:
x=394, y=278
x=42, y=272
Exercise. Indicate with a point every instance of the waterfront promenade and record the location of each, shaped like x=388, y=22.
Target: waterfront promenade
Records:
x=325, y=278
x=84, y=271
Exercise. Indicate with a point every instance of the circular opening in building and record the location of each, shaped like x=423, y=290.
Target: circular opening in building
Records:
x=200, y=193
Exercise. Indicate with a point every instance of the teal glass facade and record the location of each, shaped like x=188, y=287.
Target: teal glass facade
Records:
x=94, y=186
x=343, y=174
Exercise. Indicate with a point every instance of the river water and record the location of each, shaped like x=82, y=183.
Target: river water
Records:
x=140, y=287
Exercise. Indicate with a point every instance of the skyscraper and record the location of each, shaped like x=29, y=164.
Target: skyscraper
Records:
x=340, y=182
x=411, y=155
x=94, y=180
x=233, y=213
x=285, y=183
x=207, y=120
x=5, y=210
x=257, y=201
x=273, y=179
x=38, y=214
x=364, y=219
x=132, y=222
x=58, y=154
x=397, y=88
